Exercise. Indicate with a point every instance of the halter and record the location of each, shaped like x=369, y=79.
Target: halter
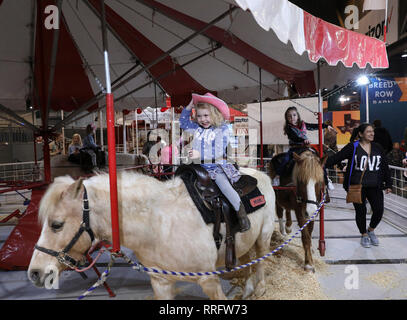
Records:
x=62, y=256
x=302, y=201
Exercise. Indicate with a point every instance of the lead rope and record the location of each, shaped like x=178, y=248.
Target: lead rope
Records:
x=139, y=267
x=101, y=280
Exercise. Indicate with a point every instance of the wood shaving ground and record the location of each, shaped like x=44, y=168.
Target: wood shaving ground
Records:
x=385, y=279
x=285, y=275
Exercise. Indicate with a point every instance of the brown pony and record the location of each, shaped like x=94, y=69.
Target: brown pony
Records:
x=308, y=179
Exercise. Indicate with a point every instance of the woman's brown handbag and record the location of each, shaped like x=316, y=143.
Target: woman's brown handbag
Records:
x=355, y=190
x=354, y=194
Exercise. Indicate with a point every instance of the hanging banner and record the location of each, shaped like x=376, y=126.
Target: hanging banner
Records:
x=372, y=24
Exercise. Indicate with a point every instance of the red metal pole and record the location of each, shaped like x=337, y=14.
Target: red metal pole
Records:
x=112, y=172
x=111, y=141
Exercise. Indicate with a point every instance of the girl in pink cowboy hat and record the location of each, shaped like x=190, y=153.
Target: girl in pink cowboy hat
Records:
x=211, y=137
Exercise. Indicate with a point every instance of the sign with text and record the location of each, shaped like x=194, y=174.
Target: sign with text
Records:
x=387, y=90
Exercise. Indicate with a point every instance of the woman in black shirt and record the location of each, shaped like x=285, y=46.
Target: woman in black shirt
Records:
x=371, y=156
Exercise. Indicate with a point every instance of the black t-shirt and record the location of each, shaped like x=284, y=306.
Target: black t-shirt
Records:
x=372, y=164
x=377, y=172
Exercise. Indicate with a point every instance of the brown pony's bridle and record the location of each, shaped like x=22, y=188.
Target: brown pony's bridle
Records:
x=62, y=256
x=302, y=201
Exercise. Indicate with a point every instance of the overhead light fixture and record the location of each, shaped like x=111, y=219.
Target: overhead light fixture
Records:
x=343, y=98
x=363, y=80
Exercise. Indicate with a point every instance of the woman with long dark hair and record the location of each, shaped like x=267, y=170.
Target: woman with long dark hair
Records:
x=370, y=158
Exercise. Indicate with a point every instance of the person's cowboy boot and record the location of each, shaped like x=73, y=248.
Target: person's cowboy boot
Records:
x=230, y=255
x=244, y=221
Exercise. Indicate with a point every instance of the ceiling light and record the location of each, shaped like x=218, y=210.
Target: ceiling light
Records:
x=363, y=80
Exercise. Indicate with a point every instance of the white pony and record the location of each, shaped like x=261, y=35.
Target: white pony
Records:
x=158, y=221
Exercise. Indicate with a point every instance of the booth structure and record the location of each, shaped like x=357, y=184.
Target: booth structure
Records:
x=148, y=51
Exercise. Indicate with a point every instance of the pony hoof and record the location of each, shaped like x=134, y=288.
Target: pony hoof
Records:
x=260, y=290
x=309, y=268
x=288, y=230
x=234, y=293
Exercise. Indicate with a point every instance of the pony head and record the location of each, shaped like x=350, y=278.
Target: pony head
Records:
x=308, y=176
x=60, y=213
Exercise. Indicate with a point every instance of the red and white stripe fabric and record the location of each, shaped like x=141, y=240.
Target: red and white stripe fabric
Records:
x=316, y=36
x=374, y=5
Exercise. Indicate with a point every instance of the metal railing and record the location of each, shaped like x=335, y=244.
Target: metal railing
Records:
x=21, y=171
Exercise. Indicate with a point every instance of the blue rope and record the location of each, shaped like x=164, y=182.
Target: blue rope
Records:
x=140, y=267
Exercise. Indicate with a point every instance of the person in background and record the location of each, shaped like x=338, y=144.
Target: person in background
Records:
x=382, y=136
x=395, y=156
x=73, y=149
x=371, y=158
x=148, y=144
x=330, y=138
x=330, y=144
x=405, y=166
x=89, y=144
x=57, y=146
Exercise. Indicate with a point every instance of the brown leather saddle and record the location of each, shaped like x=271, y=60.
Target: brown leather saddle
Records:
x=215, y=208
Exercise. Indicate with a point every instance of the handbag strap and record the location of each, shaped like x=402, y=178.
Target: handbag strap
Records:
x=355, y=144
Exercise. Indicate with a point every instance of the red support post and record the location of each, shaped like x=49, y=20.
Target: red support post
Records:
x=112, y=172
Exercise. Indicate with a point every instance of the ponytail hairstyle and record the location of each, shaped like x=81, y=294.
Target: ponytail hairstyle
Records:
x=360, y=129
x=286, y=120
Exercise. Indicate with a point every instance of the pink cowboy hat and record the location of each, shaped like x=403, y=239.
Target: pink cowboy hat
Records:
x=215, y=101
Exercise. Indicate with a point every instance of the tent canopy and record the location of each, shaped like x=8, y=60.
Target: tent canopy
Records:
x=226, y=58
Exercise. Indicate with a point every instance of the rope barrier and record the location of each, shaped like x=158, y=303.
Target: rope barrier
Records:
x=100, y=281
x=139, y=267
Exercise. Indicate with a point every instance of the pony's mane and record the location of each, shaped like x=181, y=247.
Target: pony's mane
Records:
x=128, y=183
x=143, y=185
x=52, y=196
x=308, y=167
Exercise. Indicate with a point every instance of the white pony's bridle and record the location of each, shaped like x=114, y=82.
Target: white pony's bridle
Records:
x=62, y=256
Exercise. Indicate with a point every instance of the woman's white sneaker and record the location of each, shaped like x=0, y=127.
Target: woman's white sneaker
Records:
x=365, y=241
x=373, y=238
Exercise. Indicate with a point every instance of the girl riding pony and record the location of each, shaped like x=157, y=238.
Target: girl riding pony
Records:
x=211, y=137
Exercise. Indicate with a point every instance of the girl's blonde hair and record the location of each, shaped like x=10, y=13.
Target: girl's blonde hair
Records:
x=216, y=116
x=76, y=135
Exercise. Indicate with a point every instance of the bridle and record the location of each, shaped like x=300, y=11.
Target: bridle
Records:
x=301, y=200
x=62, y=256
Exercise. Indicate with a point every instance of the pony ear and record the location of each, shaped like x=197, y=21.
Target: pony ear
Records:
x=323, y=160
x=74, y=189
x=296, y=157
